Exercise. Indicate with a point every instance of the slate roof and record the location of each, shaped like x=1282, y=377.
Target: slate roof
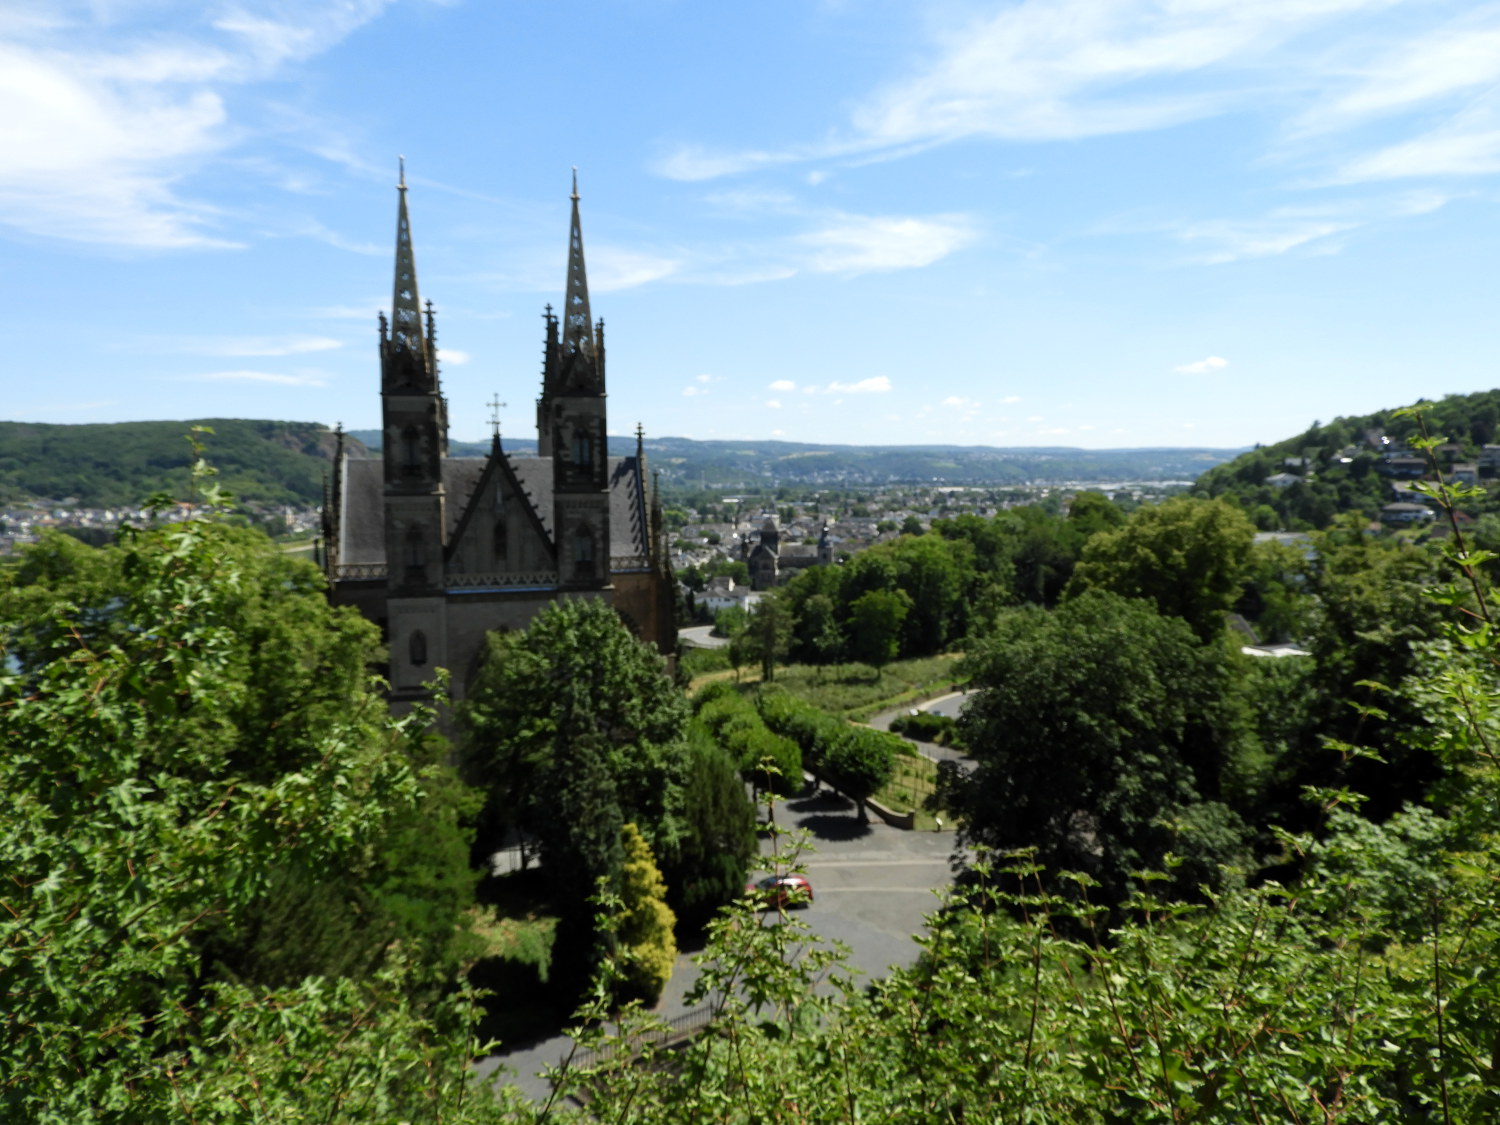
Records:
x=362, y=515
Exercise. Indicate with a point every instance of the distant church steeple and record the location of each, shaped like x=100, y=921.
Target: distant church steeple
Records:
x=414, y=420
x=578, y=325
x=409, y=362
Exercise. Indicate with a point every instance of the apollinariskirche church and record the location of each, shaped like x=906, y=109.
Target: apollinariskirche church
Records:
x=440, y=550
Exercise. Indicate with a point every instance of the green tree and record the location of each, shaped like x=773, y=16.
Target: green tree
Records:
x=875, y=621
x=769, y=632
x=648, y=951
x=1186, y=555
x=719, y=836
x=1095, y=727
x=859, y=763
x=141, y=820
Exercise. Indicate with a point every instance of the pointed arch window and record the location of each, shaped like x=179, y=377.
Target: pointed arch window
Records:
x=501, y=541
x=583, y=550
x=417, y=649
x=583, y=448
x=416, y=554
x=411, y=452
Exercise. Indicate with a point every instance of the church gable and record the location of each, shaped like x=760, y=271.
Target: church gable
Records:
x=500, y=538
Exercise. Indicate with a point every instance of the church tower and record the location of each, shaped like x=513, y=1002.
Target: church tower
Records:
x=414, y=420
x=571, y=427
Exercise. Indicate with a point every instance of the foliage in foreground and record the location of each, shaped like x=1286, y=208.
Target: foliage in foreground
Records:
x=159, y=788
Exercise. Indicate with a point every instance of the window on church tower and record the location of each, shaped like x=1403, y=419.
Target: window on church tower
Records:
x=417, y=649
x=583, y=551
x=501, y=540
x=416, y=553
x=411, y=452
x=582, y=449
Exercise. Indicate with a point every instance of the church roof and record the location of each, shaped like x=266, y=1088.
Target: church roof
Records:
x=362, y=505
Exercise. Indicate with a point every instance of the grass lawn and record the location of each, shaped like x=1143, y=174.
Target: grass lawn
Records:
x=857, y=691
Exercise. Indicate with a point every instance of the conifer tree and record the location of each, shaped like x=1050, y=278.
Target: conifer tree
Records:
x=647, y=948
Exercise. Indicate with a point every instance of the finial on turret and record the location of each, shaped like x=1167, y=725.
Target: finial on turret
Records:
x=575, y=196
x=401, y=184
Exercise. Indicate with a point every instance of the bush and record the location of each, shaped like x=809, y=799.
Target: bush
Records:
x=648, y=951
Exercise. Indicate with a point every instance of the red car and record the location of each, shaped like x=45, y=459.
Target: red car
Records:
x=780, y=891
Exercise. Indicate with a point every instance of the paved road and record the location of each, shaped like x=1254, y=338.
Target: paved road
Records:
x=700, y=636
x=873, y=886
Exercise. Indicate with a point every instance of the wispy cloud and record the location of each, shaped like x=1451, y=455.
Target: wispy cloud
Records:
x=237, y=346
x=1048, y=70
x=104, y=127
x=876, y=384
x=876, y=244
x=1203, y=366
x=255, y=377
x=1313, y=228
x=783, y=385
x=453, y=357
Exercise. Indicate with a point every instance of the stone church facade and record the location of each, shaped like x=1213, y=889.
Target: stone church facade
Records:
x=441, y=550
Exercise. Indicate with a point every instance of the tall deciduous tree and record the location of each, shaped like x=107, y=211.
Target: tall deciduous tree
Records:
x=1094, y=727
x=1186, y=555
x=154, y=800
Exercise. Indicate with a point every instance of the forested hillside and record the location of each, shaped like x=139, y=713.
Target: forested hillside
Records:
x=1349, y=464
x=120, y=464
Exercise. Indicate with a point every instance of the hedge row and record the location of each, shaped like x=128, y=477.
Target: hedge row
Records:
x=770, y=760
x=855, y=760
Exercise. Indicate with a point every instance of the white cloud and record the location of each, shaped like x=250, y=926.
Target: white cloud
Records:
x=103, y=126
x=1011, y=399
x=239, y=346
x=693, y=392
x=1314, y=228
x=774, y=404
x=783, y=385
x=871, y=244
x=256, y=377
x=876, y=384
x=958, y=400
x=1469, y=145
x=1203, y=366
x=453, y=357
x=612, y=269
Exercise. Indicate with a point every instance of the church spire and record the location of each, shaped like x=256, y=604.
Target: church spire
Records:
x=578, y=327
x=408, y=345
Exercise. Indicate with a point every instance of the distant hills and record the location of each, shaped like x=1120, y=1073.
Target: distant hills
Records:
x=119, y=464
x=685, y=463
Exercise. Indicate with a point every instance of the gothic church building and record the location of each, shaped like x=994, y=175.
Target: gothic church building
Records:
x=440, y=550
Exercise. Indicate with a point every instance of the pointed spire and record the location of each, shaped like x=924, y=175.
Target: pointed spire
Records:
x=578, y=329
x=406, y=304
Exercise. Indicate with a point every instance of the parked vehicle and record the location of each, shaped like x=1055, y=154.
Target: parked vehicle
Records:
x=777, y=892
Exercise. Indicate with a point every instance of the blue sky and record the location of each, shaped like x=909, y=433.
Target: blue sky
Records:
x=1053, y=222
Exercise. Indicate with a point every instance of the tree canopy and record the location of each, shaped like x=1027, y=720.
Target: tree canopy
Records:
x=1094, y=728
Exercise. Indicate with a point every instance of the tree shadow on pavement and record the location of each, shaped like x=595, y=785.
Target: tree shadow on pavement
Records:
x=834, y=827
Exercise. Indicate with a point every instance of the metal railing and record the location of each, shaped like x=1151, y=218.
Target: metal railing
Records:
x=667, y=1032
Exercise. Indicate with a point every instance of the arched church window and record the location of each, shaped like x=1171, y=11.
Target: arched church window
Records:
x=501, y=539
x=583, y=453
x=417, y=649
x=583, y=550
x=416, y=550
x=411, y=451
